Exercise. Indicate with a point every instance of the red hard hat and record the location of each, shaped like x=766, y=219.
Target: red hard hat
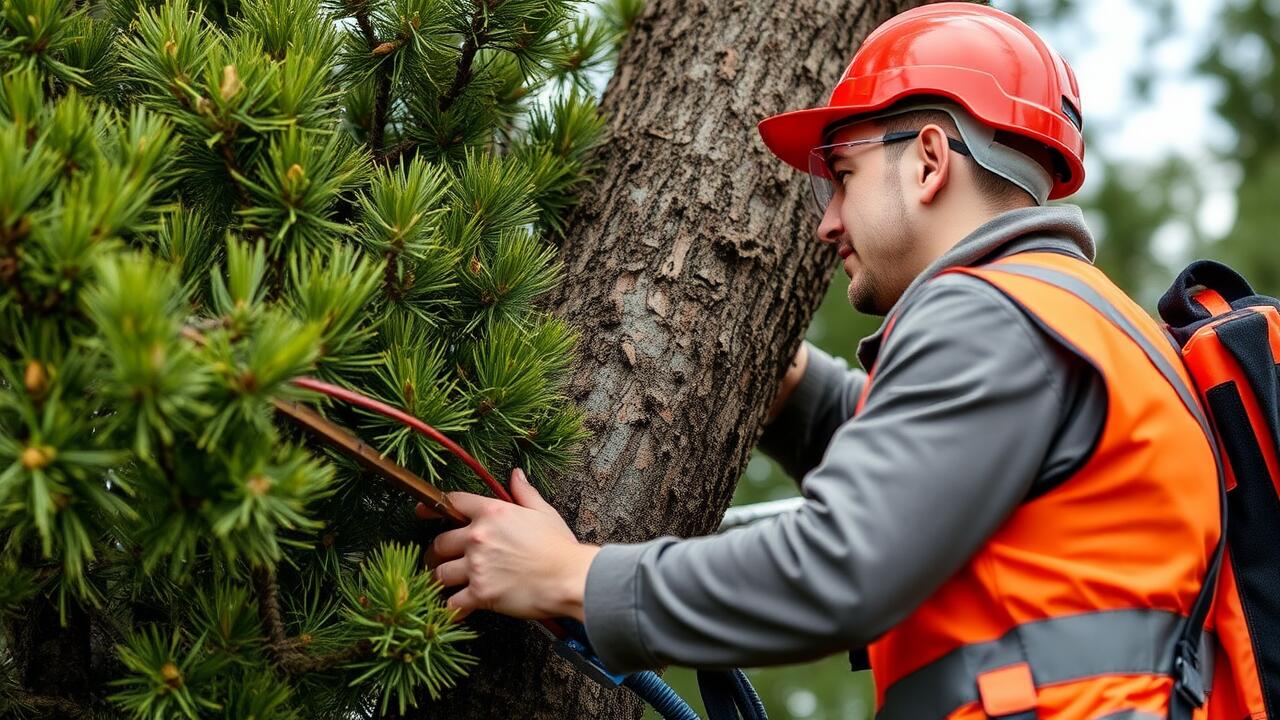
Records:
x=986, y=60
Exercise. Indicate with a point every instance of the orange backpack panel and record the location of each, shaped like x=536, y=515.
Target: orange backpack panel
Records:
x=1229, y=338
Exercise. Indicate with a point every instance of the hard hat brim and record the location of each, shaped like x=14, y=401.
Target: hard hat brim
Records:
x=791, y=135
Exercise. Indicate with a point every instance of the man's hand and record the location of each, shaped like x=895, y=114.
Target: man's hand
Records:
x=517, y=559
x=789, y=381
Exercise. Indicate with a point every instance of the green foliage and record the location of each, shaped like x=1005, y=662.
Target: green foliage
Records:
x=38, y=33
x=167, y=678
x=414, y=640
x=557, y=149
x=621, y=15
x=301, y=180
x=199, y=204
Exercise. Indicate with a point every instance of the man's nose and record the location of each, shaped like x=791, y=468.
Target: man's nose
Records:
x=830, y=228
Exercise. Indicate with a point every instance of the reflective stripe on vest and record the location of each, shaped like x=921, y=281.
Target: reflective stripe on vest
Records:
x=1061, y=649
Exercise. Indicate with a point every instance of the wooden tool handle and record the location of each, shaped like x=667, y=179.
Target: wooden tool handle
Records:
x=432, y=498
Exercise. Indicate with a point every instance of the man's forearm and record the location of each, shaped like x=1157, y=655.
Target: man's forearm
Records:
x=821, y=399
x=795, y=373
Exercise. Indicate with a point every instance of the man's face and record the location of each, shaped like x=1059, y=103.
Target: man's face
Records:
x=867, y=220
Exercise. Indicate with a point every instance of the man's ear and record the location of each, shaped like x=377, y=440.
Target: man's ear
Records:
x=933, y=162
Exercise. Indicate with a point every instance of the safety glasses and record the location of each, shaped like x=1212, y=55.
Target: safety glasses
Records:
x=822, y=178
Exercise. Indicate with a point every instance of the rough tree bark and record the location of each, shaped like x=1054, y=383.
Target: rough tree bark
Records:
x=692, y=275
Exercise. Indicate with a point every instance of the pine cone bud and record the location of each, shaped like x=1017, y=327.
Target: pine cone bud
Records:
x=172, y=675
x=246, y=382
x=158, y=356
x=295, y=173
x=24, y=227
x=385, y=48
x=259, y=485
x=36, y=380
x=34, y=458
x=475, y=266
x=230, y=83
x=170, y=48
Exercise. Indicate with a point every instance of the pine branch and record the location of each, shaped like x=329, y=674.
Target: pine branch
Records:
x=359, y=9
x=51, y=704
x=284, y=650
x=366, y=27
x=381, y=102
x=233, y=170
x=394, y=153
x=391, y=284
x=475, y=40
x=299, y=663
x=264, y=581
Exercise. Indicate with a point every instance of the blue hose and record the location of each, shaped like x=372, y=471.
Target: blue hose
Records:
x=660, y=696
x=749, y=700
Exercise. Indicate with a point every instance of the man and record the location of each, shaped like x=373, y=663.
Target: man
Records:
x=1014, y=513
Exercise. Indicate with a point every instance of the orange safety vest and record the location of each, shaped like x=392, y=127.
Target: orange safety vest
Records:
x=1071, y=610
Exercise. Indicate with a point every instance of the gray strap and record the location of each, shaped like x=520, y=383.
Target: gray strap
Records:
x=1062, y=649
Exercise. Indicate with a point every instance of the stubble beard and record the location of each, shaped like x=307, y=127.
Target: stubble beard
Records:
x=867, y=295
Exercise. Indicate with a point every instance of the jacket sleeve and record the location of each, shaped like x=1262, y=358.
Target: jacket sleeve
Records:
x=822, y=401
x=956, y=428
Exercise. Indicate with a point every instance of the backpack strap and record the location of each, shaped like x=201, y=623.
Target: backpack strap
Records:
x=1203, y=290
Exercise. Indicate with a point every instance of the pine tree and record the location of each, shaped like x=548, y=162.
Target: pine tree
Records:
x=201, y=204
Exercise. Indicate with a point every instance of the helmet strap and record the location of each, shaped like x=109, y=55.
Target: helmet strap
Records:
x=1010, y=164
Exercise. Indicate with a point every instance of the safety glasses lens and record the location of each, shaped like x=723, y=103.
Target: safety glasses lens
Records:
x=820, y=180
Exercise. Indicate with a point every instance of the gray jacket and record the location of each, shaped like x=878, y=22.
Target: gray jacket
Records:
x=973, y=410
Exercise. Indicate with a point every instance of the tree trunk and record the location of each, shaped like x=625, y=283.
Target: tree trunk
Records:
x=692, y=274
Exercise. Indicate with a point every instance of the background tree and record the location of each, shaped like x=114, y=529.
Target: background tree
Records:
x=1243, y=61
x=201, y=203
